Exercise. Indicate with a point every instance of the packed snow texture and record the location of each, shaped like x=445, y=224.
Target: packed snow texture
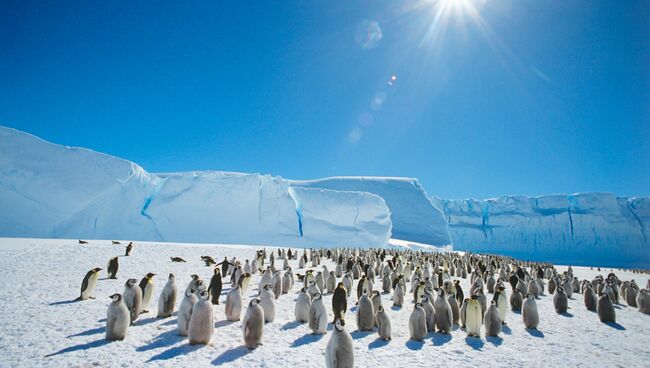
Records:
x=40, y=317
x=48, y=190
x=579, y=229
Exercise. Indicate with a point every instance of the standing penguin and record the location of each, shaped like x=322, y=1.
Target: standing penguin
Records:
x=502, y=302
x=253, y=325
x=89, y=282
x=339, y=352
x=234, y=304
x=444, y=314
x=383, y=324
x=365, y=313
x=516, y=300
x=606, y=311
x=340, y=301
x=267, y=301
x=560, y=300
x=590, y=298
x=463, y=313
x=418, y=323
x=129, y=248
x=643, y=300
x=303, y=303
x=113, y=266
x=473, y=319
x=201, y=324
x=398, y=296
x=215, y=286
x=147, y=286
x=133, y=298
x=117, y=319
x=455, y=309
x=317, y=316
x=492, y=320
x=529, y=312
x=167, y=299
x=430, y=312
x=185, y=311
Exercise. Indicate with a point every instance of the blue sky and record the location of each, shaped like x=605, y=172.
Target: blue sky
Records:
x=490, y=97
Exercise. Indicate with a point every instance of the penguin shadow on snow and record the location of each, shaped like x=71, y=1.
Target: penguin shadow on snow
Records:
x=535, y=332
x=615, y=325
x=63, y=302
x=231, y=355
x=360, y=334
x=378, y=343
x=567, y=314
x=306, y=339
x=474, y=342
x=494, y=340
x=92, y=331
x=164, y=339
x=223, y=323
x=86, y=346
x=291, y=325
x=146, y=321
x=175, y=351
x=395, y=308
x=506, y=330
x=170, y=322
x=414, y=345
x=440, y=339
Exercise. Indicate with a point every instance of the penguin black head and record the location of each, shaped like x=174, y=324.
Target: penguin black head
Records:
x=116, y=297
x=216, y=270
x=268, y=287
x=254, y=302
x=97, y=269
x=317, y=296
x=150, y=275
x=304, y=290
x=130, y=282
x=195, y=277
x=418, y=305
x=340, y=324
x=380, y=309
x=171, y=276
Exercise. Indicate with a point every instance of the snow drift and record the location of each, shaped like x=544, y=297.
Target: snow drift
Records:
x=579, y=229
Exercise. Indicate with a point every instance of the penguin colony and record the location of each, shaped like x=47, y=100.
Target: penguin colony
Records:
x=427, y=281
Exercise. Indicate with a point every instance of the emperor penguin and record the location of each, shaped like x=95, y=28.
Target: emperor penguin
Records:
x=347, y=283
x=185, y=311
x=167, y=299
x=455, y=309
x=606, y=311
x=215, y=287
x=430, y=313
x=339, y=352
x=473, y=318
x=267, y=302
x=147, y=286
x=243, y=282
x=444, y=315
x=330, y=283
x=590, y=298
x=533, y=288
x=287, y=281
x=502, y=302
x=266, y=279
x=89, y=282
x=398, y=295
x=201, y=324
x=418, y=323
x=317, y=316
x=118, y=319
x=643, y=301
x=247, y=267
x=529, y=312
x=194, y=283
x=365, y=313
x=376, y=301
x=320, y=281
x=303, y=303
x=560, y=300
x=129, y=248
x=460, y=296
x=383, y=324
x=234, y=304
x=463, y=312
x=492, y=320
x=133, y=298
x=276, y=284
x=516, y=300
x=630, y=295
x=113, y=266
x=253, y=324
x=340, y=301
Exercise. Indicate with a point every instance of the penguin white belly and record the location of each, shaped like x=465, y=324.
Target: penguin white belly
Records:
x=473, y=319
x=146, y=297
x=90, y=288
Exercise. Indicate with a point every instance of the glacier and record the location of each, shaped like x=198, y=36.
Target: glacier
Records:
x=579, y=229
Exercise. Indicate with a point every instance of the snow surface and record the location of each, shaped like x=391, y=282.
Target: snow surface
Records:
x=584, y=228
x=41, y=277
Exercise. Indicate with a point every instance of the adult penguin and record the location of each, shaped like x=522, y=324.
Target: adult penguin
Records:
x=167, y=299
x=560, y=300
x=365, y=313
x=383, y=324
x=234, y=304
x=253, y=325
x=147, y=286
x=303, y=303
x=113, y=266
x=89, y=282
x=129, y=248
x=117, y=319
x=215, y=286
x=340, y=301
x=492, y=320
x=185, y=311
x=418, y=323
x=317, y=316
x=606, y=312
x=201, y=324
x=473, y=318
x=339, y=352
x=460, y=296
x=529, y=312
x=224, y=266
x=133, y=298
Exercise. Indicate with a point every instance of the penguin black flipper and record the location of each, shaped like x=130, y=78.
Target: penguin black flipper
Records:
x=143, y=284
x=84, y=283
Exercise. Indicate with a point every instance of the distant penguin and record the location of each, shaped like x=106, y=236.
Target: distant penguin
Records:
x=430, y=313
x=287, y=281
x=330, y=283
x=167, y=299
x=267, y=302
x=365, y=313
x=215, y=287
x=178, y=259
x=129, y=248
x=340, y=301
x=398, y=296
x=185, y=311
x=492, y=320
x=118, y=319
x=303, y=303
x=133, y=298
x=606, y=312
x=463, y=312
x=253, y=324
x=516, y=300
x=590, y=298
x=276, y=284
x=643, y=301
x=383, y=324
x=317, y=316
x=113, y=266
x=339, y=352
x=147, y=286
x=418, y=323
x=234, y=304
x=529, y=312
x=560, y=300
x=89, y=282
x=473, y=318
x=201, y=324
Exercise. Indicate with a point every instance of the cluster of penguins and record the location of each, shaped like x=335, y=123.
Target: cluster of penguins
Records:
x=426, y=279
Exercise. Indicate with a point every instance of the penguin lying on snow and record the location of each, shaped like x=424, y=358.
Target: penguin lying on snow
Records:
x=178, y=259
